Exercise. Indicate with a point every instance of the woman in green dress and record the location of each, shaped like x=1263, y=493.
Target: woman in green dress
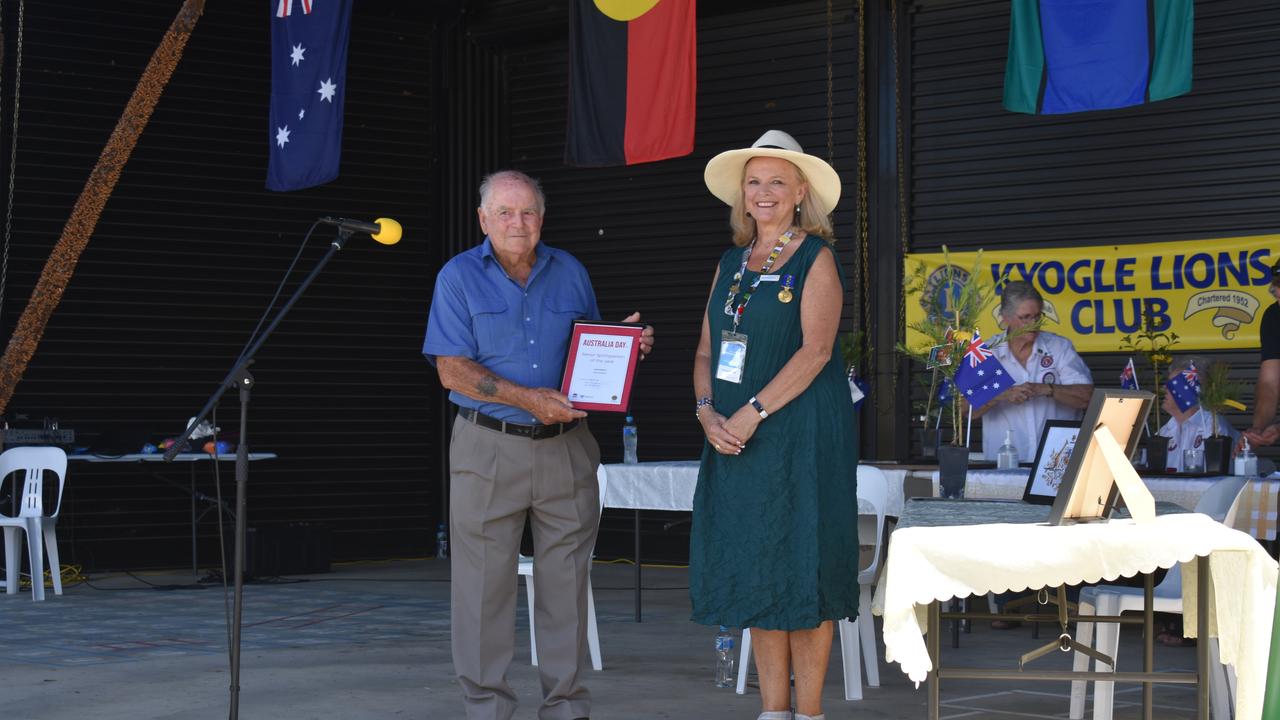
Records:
x=774, y=545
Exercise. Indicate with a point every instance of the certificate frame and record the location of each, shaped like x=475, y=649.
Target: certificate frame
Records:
x=616, y=395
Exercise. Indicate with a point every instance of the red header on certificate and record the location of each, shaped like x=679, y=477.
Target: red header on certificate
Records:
x=601, y=365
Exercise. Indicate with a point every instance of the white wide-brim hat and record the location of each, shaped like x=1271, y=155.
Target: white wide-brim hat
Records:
x=724, y=171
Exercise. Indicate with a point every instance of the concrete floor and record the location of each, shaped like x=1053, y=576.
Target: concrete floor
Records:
x=371, y=640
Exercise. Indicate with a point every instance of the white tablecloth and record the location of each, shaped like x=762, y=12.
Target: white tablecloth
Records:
x=1257, y=515
x=669, y=485
x=927, y=564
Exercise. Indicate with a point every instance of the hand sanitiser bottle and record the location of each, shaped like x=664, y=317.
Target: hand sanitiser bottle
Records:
x=1007, y=456
x=1246, y=463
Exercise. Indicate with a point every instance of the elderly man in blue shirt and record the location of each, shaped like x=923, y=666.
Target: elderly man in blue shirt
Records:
x=498, y=333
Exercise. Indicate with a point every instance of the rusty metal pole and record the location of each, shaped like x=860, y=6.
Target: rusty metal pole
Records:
x=56, y=275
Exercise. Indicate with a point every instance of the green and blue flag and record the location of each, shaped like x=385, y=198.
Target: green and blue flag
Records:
x=1069, y=56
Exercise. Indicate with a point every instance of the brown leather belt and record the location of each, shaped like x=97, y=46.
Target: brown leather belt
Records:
x=533, y=432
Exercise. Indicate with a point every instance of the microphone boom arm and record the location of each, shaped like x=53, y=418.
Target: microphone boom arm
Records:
x=246, y=357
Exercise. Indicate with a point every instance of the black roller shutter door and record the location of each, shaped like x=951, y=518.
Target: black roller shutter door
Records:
x=185, y=258
x=1203, y=165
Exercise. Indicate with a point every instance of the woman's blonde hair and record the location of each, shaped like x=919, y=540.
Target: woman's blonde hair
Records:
x=809, y=219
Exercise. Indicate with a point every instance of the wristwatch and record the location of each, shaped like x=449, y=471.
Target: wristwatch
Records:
x=759, y=408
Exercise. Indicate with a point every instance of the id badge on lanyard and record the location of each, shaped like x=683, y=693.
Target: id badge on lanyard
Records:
x=733, y=356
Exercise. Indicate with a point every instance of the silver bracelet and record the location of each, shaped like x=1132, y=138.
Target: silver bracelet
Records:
x=702, y=402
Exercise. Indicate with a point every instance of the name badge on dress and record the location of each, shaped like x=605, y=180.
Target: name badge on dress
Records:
x=733, y=356
x=769, y=278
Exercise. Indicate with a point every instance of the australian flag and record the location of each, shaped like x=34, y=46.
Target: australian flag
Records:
x=308, y=85
x=1185, y=388
x=1129, y=377
x=944, y=391
x=980, y=376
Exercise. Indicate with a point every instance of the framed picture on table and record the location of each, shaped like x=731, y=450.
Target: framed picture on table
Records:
x=1057, y=440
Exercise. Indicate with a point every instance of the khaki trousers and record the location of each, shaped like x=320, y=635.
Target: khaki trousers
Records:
x=496, y=480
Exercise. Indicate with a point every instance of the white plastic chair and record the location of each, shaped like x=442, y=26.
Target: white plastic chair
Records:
x=525, y=567
x=40, y=529
x=1220, y=502
x=873, y=489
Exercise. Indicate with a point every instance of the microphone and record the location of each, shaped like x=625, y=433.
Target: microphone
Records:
x=384, y=230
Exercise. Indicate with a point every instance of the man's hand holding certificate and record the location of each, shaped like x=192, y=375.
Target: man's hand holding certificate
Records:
x=601, y=365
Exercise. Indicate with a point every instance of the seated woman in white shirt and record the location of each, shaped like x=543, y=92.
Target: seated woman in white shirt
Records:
x=1188, y=428
x=1052, y=381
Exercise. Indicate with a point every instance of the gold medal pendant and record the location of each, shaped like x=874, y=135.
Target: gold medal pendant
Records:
x=788, y=282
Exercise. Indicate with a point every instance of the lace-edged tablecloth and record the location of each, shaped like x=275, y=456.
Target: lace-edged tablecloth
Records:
x=927, y=564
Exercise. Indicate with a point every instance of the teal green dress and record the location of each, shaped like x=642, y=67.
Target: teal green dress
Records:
x=774, y=543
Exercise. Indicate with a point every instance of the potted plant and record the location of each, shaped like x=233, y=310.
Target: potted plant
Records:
x=953, y=300
x=928, y=413
x=1154, y=344
x=1218, y=393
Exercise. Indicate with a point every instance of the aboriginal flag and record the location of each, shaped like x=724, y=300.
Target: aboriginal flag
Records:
x=1070, y=56
x=632, y=81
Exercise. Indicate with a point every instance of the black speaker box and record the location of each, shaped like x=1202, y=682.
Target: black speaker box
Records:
x=295, y=549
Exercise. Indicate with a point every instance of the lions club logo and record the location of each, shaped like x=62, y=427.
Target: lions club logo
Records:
x=941, y=291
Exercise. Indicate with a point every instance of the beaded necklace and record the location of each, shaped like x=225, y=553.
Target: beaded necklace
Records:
x=729, y=309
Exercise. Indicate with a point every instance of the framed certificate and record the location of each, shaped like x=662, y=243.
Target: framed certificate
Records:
x=1057, y=441
x=601, y=365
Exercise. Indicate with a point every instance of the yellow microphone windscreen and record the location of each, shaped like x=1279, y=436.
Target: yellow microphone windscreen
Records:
x=391, y=231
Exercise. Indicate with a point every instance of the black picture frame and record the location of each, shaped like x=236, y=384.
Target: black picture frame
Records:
x=1050, y=464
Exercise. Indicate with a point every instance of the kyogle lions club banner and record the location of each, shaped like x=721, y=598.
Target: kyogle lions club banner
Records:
x=1210, y=292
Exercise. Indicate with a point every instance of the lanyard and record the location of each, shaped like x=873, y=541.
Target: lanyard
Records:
x=736, y=314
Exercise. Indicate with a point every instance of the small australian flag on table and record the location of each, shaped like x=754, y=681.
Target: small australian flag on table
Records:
x=980, y=376
x=1129, y=377
x=1185, y=388
x=308, y=86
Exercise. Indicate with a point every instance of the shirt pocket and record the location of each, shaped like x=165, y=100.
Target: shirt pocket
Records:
x=555, y=325
x=561, y=312
x=495, y=330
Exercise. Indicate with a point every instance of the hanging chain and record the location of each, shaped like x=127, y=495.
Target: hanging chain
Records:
x=13, y=159
x=902, y=188
x=864, y=241
x=831, y=136
x=901, y=169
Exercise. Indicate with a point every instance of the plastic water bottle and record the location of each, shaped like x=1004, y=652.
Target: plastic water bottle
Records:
x=1007, y=456
x=442, y=541
x=1246, y=463
x=629, y=441
x=724, y=658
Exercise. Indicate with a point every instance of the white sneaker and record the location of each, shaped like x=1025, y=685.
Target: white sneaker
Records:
x=775, y=715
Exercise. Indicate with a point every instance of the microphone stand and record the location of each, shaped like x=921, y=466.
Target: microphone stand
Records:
x=240, y=378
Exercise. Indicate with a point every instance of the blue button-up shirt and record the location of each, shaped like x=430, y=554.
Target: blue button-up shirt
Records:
x=521, y=333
